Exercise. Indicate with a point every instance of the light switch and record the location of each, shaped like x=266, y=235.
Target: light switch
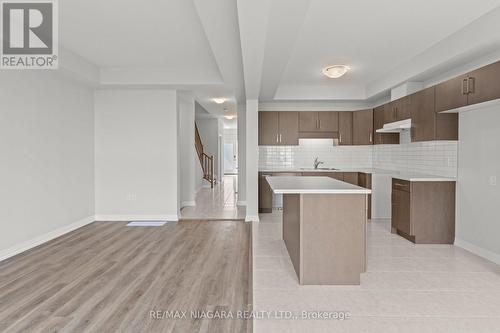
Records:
x=493, y=180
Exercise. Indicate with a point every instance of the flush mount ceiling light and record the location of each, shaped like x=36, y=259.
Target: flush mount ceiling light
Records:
x=229, y=117
x=219, y=100
x=336, y=71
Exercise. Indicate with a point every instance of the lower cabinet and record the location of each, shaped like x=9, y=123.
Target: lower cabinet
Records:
x=424, y=212
x=265, y=192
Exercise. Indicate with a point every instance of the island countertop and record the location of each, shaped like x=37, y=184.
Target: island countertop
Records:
x=312, y=185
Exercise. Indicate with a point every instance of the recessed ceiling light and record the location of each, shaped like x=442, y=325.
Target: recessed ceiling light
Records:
x=229, y=117
x=336, y=71
x=219, y=100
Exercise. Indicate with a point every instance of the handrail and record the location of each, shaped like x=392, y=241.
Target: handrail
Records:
x=206, y=161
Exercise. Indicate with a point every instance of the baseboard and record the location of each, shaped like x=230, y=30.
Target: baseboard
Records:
x=24, y=246
x=487, y=254
x=187, y=203
x=126, y=218
x=241, y=203
x=252, y=218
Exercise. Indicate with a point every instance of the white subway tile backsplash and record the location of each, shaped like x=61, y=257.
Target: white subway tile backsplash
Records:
x=436, y=157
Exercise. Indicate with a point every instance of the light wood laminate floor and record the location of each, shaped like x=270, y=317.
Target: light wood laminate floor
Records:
x=106, y=277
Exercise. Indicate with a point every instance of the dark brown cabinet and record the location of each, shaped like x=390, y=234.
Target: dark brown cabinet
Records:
x=265, y=194
x=362, y=128
x=334, y=175
x=268, y=128
x=484, y=84
x=378, y=123
x=424, y=212
x=427, y=125
x=401, y=206
x=451, y=94
x=288, y=125
x=423, y=116
x=278, y=128
x=478, y=86
x=326, y=121
x=389, y=113
x=365, y=180
x=351, y=178
x=265, y=191
x=345, y=128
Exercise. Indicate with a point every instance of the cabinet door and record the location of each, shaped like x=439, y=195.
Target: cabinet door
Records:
x=403, y=106
x=389, y=113
x=268, y=128
x=345, y=128
x=451, y=94
x=265, y=194
x=423, y=116
x=288, y=128
x=378, y=122
x=308, y=121
x=484, y=84
x=362, y=128
x=328, y=121
x=401, y=210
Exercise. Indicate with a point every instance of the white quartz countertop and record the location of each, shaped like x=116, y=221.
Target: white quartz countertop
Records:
x=409, y=176
x=312, y=185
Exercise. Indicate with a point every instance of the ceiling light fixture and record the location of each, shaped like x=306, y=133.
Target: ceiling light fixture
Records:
x=229, y=117
x=336, y=71
x=219, y=100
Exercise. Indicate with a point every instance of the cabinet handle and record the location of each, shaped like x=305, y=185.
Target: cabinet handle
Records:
x=277, y=137
x=280, y=138
x=371, y=137
x=471, y=85
x=465, y=86
x=319, y=123
x=340, y=137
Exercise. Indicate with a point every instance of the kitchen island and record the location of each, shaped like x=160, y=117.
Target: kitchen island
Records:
x=324, y=228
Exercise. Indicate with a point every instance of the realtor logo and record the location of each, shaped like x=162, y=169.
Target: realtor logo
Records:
x=29, y=33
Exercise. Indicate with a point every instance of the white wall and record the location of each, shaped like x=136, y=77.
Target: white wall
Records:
x=187, y=150
x=242, y=178
x=47, y=158
x=136, y=160
x=252, y=160
x=478, y=221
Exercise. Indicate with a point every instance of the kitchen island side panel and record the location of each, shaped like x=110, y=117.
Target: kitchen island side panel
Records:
x=333, y=238
x=291, y=228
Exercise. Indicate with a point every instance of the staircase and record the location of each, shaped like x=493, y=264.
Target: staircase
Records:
x=206, y=161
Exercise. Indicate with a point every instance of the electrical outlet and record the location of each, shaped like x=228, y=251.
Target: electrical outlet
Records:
x=493, y=180
x=131, y=197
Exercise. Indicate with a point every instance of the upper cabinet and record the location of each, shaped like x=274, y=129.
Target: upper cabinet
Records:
x=475, y=87
x=427, y=125
x=327, y=121
x=484, y=84
x=451, y=94
x=378, y=123
x=278, y=128
x=345, y=128
x=397, y=110
x=362, y=129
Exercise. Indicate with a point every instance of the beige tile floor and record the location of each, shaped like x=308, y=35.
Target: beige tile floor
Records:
x=407, y=287
x=217, y=203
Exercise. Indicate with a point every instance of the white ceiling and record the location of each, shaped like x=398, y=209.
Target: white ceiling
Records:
x=372, y=37
x=274, y=50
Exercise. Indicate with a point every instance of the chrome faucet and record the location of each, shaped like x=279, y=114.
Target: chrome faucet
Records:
x=317, y=163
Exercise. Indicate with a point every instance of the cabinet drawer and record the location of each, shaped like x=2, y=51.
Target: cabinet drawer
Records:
x=401, y=185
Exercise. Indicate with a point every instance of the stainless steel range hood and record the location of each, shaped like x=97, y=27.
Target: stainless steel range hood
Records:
x=395, y=127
